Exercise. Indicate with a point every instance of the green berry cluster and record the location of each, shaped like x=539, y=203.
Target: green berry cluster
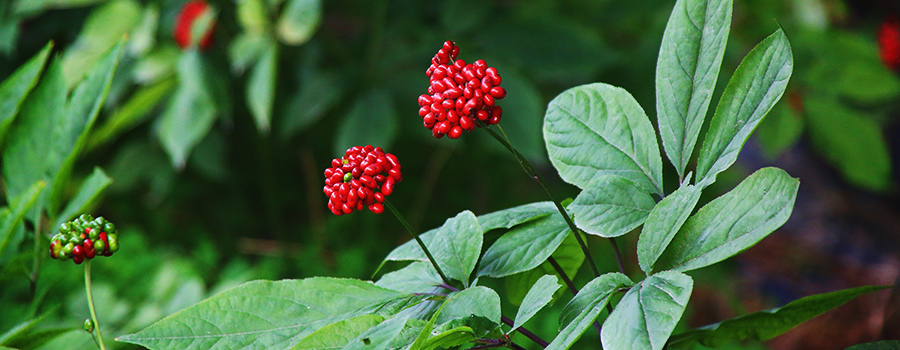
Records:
x=84, y=238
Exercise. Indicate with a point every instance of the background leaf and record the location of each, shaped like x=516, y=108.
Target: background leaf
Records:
x=689, y=60
x=90, y=189
x=584, y=308
x=371, y=121
x=755, y=87
x=538, y=296
x=733, y=222
x=261, y=88
x=648, y=313
x=597, y=129
x=263, y=314
x=611, y=206
x=11, y=216
x=299, y=21
x=524, y=247
x=15, y=88
x=663, y=223
x=106, y=26
x=191, y=111
x=767, y=324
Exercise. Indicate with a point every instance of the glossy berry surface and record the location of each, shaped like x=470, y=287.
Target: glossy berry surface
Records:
x=84, y=239
x=889, y=42
x=460, y=96
x=184, y=25
x=362, y=178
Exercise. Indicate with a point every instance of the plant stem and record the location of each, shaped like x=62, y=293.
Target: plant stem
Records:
x=87, y=289
x=533, y=173
x=405, y=224
x=534, y=337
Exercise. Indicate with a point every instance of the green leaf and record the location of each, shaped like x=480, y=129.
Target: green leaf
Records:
x=338, y=334
x=264, y=314
x=782, y=128
x=648, y=313
x=568, y=255
x=371, y=121
x=457, y=245
x=247, y=48
x=689, y=60
x=448, y=339
x=81, y=112
x=253, y=16
x=852, y=141
x=106, y=26
x=378, y=337
x=584, y=308
x=524, y=247
x=417, y=277
x=317, y=94
x=767, y=324
x=663, y=223
x=507, y=218
x=733, y=222
x=299, y=21
x=36, y=148
x=755, y=87
x=538, y=296
x=476, y=301
x=31, y=7
x=15, y=88
x=134, y=111
x=261, y=88
x=598, y=129
x=11, y=217
x=87, y=194
x=878, y=345
x=191, y=111
x=611, y=206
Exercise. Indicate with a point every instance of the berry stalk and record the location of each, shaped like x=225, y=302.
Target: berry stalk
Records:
x=409, y=229
x=87, y=289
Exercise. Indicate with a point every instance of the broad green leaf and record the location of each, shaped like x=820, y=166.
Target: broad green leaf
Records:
x=783, y=127
x=157, y=65
x=36, y=147
x=755, y=87
x=689, y=60
x=733, y=222
x=878, y=345
x=253, y=16
x=507, y=218
x=663, y=223
x=106, y=26
x=417, y=277
x=419, y=342
x=299, y=21
x=851, y=140
x=338, y=334
x=611, y=206
x=317, y=94
x=246, y=49
x=584, y=308
x=84, y=199
x=31, y=7
x=568, y=255
x=143, y=37
x=448, y=339
x=648, y=313
x=524, y=247
x=11, y=216
x=767, y=324
x=371, y=121
x=15, y=88
x=264, y=314
x=457, y=245
x=261, y=88
x=191, y=111
x=598, y=129
x=134, y=111
x=475, y=301
x=538, y=296
x=378, y=337
x=81, y=112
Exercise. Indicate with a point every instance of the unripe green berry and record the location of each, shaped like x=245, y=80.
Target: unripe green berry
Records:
x=113, y=243
x=89, y=325
x=99, y=245
x=68, y=248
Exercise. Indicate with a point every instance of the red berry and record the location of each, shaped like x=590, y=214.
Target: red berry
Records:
x=377, y=208
x=361, y=170
x=889, y=42
x=185, y=21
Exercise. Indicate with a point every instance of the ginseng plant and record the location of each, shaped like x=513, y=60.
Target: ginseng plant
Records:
x=599, y=139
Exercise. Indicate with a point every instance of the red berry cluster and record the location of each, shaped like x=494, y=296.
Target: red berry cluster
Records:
x=361, y=178
x=185, y=21
x=84, y=238
x=889, y=42
x=459, y=94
